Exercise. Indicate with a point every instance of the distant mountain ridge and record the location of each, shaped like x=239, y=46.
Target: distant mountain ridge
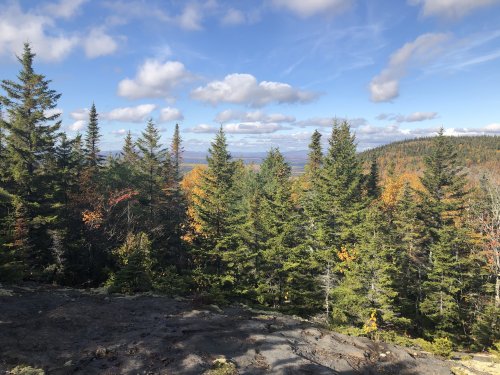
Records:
x=478, y=154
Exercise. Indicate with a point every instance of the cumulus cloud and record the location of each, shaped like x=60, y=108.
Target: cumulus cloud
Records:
x=244, y=89
x=327, y=122
x=239, y=128
x=202, y=128
x=191, y=17
x=413, y=117
x=385, y=86
x=80, y=114
x=170, y=114
x=491, y=129
x=130, y=114
x=119, y=132
x=98, y=43
x=16, y=27
x=77, y=125
x=154, y=79
x=231, y=115
x=309, y=8
x=451, y=9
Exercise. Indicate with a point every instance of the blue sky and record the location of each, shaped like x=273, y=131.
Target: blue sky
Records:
x=269, y=71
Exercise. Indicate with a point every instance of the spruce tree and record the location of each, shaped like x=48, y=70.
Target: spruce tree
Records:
x=341, y=188
x=150, y=166
x=443, y=203
x=128, y=153
x=314, y=157
x=30, y=144
x=373, y=180
x=216, y=207
x=409, y=237
x=93, y=159
x=176, y=151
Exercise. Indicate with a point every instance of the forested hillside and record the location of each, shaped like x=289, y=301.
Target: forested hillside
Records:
x=378, y=258
x=478, y=155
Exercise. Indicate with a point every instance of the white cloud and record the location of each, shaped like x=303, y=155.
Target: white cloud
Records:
x=233, y=17
x=64, y=8
x=17, y=27
x=239, y=128
x=202, y=128
x=170, y=114
x=154, y=79
x=244, y=89
x=385, y=86
x=230, y=115
x=413, y=117
x=307, y=8
x=119, y=132
x=252, y=128
x=327, y=122
x=80, y=114
x=52, y=112
x=491, y=129
x=98, y=43
x=130, y=114
x=451, y=9
x=191, y=17
x=77, y=125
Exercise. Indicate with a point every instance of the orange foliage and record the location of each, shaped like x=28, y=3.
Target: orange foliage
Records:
x=346, y=256
x=92, y=219
x=393, y=187
x=191, y=185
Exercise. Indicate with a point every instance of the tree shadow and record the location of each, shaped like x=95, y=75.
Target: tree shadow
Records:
x=70, y=331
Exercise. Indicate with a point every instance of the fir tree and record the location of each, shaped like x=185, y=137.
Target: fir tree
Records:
x=128, y=153
x=176, y=151
x=372, y=181
x=93, y=159
x=443, y=202
x=314, y=157
x=30, y=148
x=216, y=207
x=341, y=188
x=150, y=165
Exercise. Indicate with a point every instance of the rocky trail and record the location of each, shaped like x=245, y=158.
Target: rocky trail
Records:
x=69, y=331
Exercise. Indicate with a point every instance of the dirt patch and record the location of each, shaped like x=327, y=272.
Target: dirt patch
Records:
x=67, y=331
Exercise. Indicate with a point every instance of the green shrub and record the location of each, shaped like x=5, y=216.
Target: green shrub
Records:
x=486, y=328
x=169, y=282
x=442, y=346
x=135, y=273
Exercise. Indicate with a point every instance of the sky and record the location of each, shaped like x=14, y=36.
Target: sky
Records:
x=269, y=72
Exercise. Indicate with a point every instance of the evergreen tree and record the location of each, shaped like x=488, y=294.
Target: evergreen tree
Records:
x=341, y=188
x=314, y=157
x=150, y=166
x=372, y=181
x=93, y=159
x=216, y=207
x=176, y=151
x=409, y=236
x=30, y=148
x=368, y=276
x=443, y=202
x=129, y=154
